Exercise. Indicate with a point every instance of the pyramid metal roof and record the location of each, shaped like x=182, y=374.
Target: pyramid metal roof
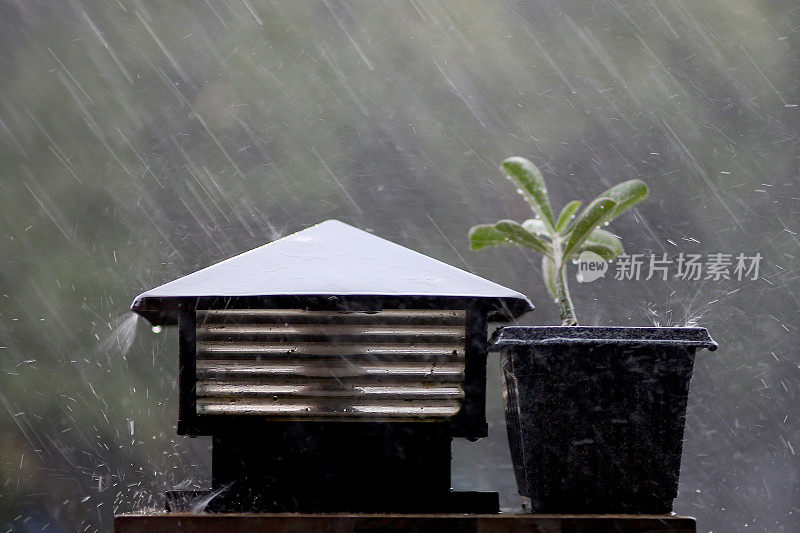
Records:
x=331, y=258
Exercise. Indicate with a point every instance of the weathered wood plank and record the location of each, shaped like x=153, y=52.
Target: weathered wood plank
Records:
x=349, y=523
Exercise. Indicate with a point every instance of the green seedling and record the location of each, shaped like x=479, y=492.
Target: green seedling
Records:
x=560, y=239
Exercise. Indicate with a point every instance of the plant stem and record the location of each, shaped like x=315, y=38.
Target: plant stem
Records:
x=564, y=301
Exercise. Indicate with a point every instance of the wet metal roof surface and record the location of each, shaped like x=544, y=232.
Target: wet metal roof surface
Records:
x=331, y=258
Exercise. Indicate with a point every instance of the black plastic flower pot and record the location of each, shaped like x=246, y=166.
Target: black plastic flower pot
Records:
x=595, y=415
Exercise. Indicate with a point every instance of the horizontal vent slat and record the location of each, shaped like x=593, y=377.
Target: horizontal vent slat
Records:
x=326, y=349
x=265, y=368
x=296, y=332
x=372, y=409
x=435, y=317
x=329, y=389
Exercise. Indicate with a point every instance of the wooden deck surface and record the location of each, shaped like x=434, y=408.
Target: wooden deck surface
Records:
x=352, y=523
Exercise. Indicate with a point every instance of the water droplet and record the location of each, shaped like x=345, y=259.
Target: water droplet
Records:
x=156, y=329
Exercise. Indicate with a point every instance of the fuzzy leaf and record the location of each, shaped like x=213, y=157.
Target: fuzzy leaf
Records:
x=600, y=249
x=595, y=214
x=514, y=232
x=531, y=183
x=536, y=226
x=626, y=194
x=549, y=273
x=486, y=235
x=566, y=215
x=607, y=239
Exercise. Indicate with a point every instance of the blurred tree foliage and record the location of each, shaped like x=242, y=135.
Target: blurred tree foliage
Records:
x=140, y=141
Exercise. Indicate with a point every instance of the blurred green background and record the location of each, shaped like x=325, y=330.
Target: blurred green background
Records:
x=140, y=141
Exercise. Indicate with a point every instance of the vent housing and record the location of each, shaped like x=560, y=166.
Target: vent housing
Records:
x=246, y=362
x=332, y=369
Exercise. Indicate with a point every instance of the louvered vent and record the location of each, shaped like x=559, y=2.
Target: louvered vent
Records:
x=392, y=365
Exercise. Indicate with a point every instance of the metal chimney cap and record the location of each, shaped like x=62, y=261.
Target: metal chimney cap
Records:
x=330, y=258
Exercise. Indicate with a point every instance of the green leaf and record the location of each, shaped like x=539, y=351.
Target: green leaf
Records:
x=530, y=181
x=549, y=273
x=536, y=226
x=626, y=194
x=603, y=243
x=600, y=249
x=607, y=239
x=566, y=215
x=595, y=214
x=486, y=235
x=515, y=233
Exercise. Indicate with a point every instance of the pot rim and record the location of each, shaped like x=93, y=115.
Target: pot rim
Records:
x=621, y=335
